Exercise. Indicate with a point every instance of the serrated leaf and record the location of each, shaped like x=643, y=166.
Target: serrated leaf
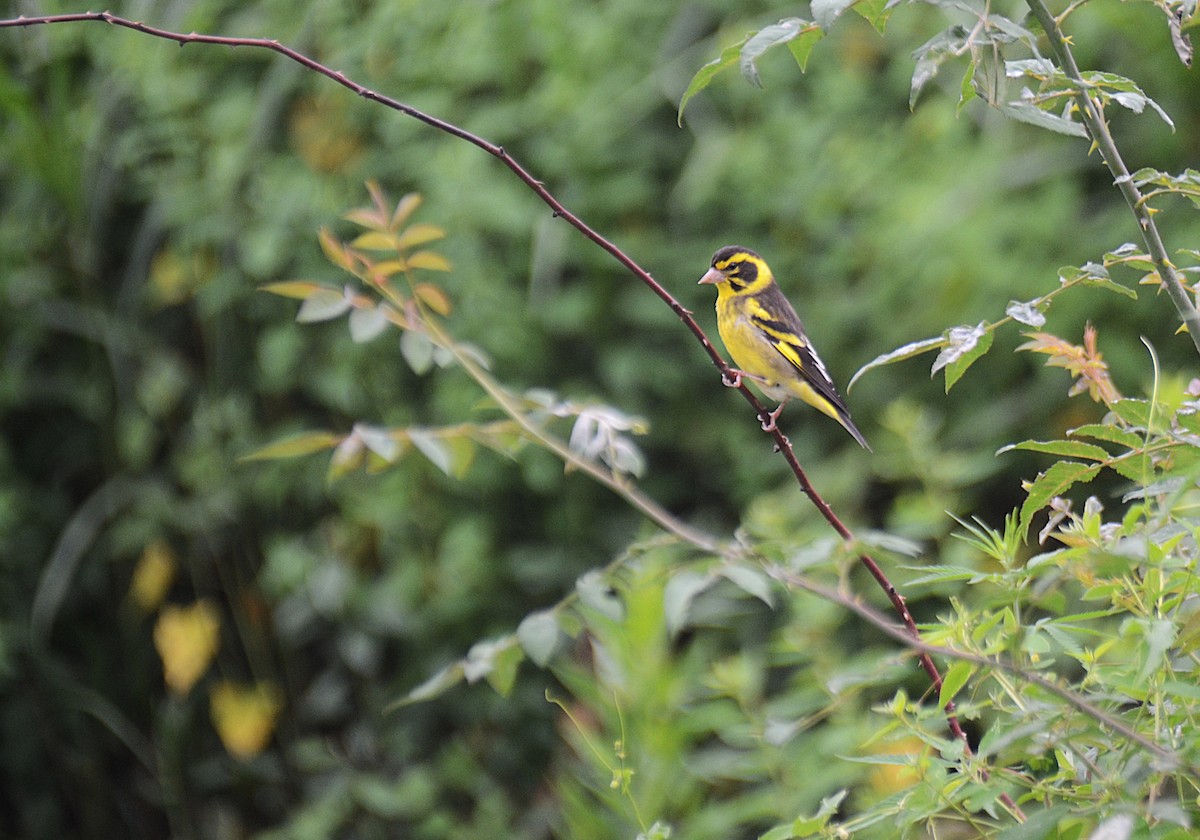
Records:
x=941, y=574
x=958, y=342
x=323, y=305
x=1111, y=285
x=953, y=680
x=704, y=76
x=678, y=594
x=433, y=448
x=876, y=12
x=751, y=581
x=417, y=350
x=801, y=46
x=956, y=368
x=1133, y=412
x=367, y=323
x=539, y=635
x=298, y=289
x=763, y=40
x=294, y=447
x=429, y=260
x=916, y=348
x=825, y=12
x=1066, y=448
x=1054, y=482
x=1112, y=434
x=1025, y=313
x=1031, y=114
x=595, y=592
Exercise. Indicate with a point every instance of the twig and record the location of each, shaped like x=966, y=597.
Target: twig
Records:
x=1093, y=119
x=1085, y=706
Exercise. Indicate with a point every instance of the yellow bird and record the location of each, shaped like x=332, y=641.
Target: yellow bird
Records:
x=763, y=334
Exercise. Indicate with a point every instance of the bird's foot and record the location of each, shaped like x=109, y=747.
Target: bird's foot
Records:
x=733, y=379
x=769, y=425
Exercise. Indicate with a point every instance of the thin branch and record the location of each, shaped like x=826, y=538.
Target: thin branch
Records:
x=782, y=444
x=1170, y=757
x=1093, y=119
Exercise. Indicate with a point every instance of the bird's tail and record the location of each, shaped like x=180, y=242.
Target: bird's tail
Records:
x=848, y=424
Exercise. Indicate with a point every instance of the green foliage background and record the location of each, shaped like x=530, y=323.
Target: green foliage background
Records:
x=147, y=191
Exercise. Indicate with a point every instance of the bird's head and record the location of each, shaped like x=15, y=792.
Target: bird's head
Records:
x=739, y=267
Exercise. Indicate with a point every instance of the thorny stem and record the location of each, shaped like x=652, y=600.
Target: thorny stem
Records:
x=781, y=442
x=1093, y=119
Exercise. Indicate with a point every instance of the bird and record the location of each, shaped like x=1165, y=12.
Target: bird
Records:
x=763, y=334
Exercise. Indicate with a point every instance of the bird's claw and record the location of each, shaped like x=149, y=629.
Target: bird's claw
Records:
x=732, y=379
x=769, y=425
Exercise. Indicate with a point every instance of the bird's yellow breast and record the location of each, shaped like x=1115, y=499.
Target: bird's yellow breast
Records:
x=752, y=352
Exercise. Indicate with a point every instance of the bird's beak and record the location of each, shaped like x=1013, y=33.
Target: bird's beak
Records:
x=713, y=277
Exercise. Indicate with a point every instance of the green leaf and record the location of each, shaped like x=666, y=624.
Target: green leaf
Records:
x=505, y=661
x=1108, y=432
x=956, y=368
x=953, y=681
x=367, y=323
x=1028, y=113
x=435, y=686
x=941, y=573
x=1096, y=276
x=751, y=581
x=323, y=305
x=1159, y=635
x=378, y=440
x=801, y=46
x=960, y=342
x=294, y=447
x=728, y=58
x=763, y=40
x=1066, y=448
x=678, y=594
x=1026, y=313
x=876, y=12
x=930, y=56
x=1054, y=482
x=1133, y=412
x=825, y=12
x=539, y=635
x=417, y=350
x=432, y=448
x=595, y=592
x=1038, y=825
x=906, y=352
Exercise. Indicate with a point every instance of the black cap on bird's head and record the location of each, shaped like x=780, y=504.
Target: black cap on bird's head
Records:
x=724, y=260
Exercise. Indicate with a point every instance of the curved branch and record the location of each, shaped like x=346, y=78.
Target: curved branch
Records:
x=782, y=444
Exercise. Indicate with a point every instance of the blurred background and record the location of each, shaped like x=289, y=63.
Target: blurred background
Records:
x=147, y=191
